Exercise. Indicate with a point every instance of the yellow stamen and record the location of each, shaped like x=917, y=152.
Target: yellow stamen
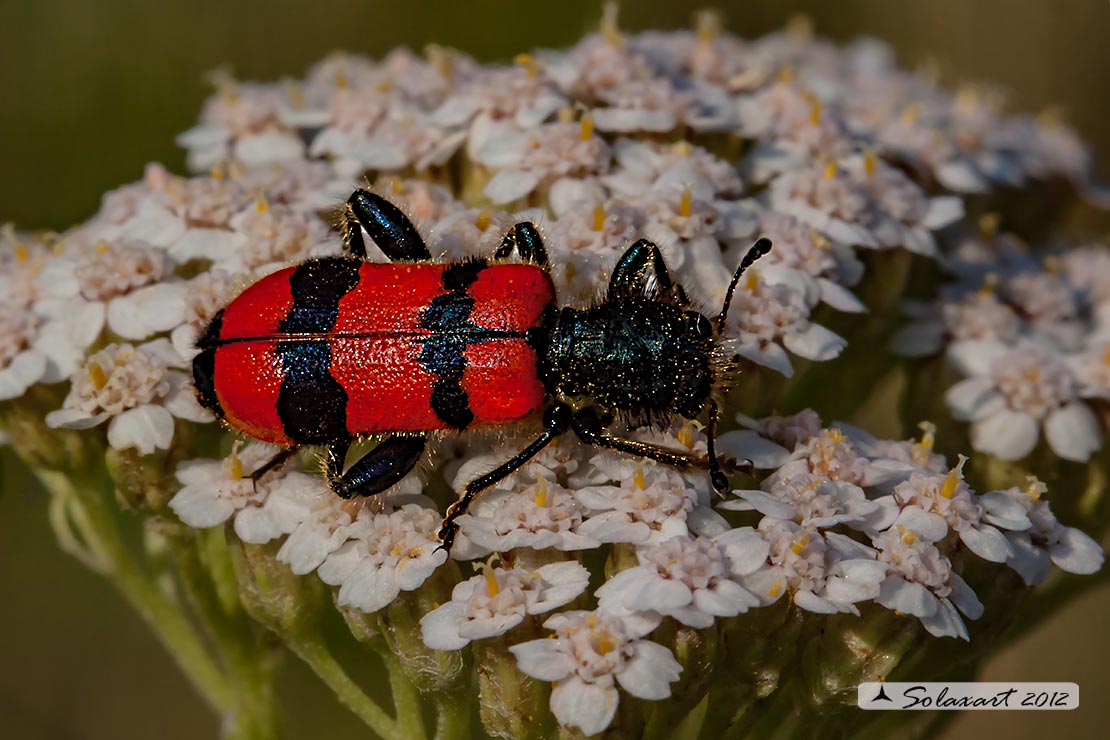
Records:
x=751, y=282
x=566, y=114
x=591, y=621
x=1106, y=354
x=102, y=247
x=98, y=376
x=800, y=542
x=683, y=148
x=441, y=58
x=638, y=480
x=922, y=449
x=483, y=220
x=800, y=26
x=834, y=435
x=605, y=643
x=235, y=465
x=599, y=217
x=908, y=535
x=341, y=80
x=816, y=108
x=491, y=582
x=708, y=23
x=990, y=283
x=570, y=271
x=1053, y=115
x=1034, y=488
x=1052, y=264
x=528, y=62
x=384, y=85
x=786, y=74
x=988, y=225
x=261, y=205
x=21, y=253
x=609, y=29
x=586, y=127
x=540, y=496
x=819, y=240
x=397, y=186
x=912, y=113
x=870, y=163
x=686, y=435
x=686, y=204
x=830, y=169
x=296, y=97
x=775, y=589
x=955, y=475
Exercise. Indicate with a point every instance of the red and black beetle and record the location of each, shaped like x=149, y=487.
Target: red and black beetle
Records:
x=336, y=349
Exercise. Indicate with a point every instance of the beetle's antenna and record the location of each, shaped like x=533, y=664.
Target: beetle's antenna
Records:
x=760, y=248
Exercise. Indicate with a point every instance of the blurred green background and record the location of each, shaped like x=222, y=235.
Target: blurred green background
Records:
x=94, y=89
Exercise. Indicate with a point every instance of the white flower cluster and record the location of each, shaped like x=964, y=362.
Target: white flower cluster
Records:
x=1031, y=339
x=845, y=518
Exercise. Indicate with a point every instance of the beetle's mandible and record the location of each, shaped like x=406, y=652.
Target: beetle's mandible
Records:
x=336, y=349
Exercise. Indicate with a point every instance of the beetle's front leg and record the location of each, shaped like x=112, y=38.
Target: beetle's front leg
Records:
x=525, y=239
x=377, y=470
x=390, y=229
x=556, y=420
x=631, y=275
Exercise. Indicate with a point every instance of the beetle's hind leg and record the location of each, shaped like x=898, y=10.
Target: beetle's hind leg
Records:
x=525, y=239
x=377, y=470
x=276, y=461
x=390, y=229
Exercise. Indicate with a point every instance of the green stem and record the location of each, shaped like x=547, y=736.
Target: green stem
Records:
x=406, y=699
x=252, y=676
x=100, y=530
x=453, y=713
x=312, y=650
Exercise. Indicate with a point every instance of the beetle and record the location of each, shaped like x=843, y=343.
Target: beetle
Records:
x=336, y=349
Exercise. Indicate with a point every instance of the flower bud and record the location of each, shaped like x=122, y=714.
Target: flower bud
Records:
x=852, y=650
x=143, y=482
x=272, y=594
x=428, y=669
x=512, y=704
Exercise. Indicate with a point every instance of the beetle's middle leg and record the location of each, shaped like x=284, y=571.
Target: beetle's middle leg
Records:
x=377, y=470
x=556, y=420
x=390, y=229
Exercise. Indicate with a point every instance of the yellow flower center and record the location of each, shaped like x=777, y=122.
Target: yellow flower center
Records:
x=638, y=480
x=586, y=127
x=955, y=475
x=922, y=448
x=540, y=494
x=908, y=535
x=528, y=62
x=491, y=582
x=98, y=376
x=599, y=217
x=483, y=220
x=1034, y=488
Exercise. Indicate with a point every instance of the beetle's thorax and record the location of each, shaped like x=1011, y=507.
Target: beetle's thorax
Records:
x=638, y=356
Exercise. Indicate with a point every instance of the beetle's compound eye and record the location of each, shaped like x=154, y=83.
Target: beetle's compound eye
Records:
x=698, y=325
